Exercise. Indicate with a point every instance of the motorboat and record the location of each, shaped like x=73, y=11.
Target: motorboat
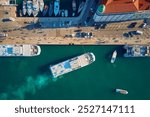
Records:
x=56, y=7
x=114, y=55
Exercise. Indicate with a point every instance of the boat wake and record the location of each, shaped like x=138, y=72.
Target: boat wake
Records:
x=31, y=86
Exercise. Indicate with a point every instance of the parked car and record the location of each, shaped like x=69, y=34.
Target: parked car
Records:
x=132, y=25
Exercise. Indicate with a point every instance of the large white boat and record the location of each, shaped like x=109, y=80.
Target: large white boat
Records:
x=35, y=8
x=41, y=5
x=19, y=50
x=114, y=55
x=74, y=6
x=122, y=91
x=24, y=7
x=81, y=6
x=137, y=51
x=56, y=7
x=72, y=64
x=29, y=7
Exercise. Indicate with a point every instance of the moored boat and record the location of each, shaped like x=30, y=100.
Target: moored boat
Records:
x=29, y=7
x=81, y=6
x=122, y=91
x=56, y=7
x=137, y=51
x=24, y=7
x=19, y=50
x=62, y=13
x=35, y=8
x=74, y=6
x=45, y=10
x=51, y=6
x=114, y=55
x=41, y=5
x=66, y=13
x=72, y=64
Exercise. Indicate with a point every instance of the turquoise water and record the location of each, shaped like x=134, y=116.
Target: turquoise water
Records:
x=29, y=78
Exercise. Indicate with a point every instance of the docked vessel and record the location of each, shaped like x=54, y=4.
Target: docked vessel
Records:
x=74, y=7
x=51, y=6
x=24, y=7
x=72, y=64
x=29, y=7
x=45, y=10
x=35, y=8
x=56, y=7
x=81, y=6
x=19, y=50
x=62, y=13
x=137, y=51
x=114, y=55
x=121, y=91
x=41, y=5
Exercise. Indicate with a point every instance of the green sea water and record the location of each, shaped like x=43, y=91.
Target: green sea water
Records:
x=30, y=78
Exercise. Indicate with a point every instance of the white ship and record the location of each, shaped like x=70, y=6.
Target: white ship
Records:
x=35, y=8
x=19, y=50
x=137, y=51
x=29, y=7
x=72, y=64
x=114, y=55
x=121, y=91
x=24, y=7
x=56, y=7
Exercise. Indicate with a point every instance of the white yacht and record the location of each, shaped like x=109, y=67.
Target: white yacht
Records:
x=41, y=5
x=19, y=50
x=35, y=8
x=24, y=7
x=29, y=7
x=56, y=7
x=114, y=56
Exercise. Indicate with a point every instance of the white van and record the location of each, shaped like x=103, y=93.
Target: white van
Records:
x=139, y=32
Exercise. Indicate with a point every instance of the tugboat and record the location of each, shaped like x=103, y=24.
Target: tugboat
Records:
x=74, y=8
x=114, y=55
x=121, y=91
x=72, y=64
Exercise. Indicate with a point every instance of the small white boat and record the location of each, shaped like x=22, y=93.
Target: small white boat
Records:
x=24, y=7
x=41, y=5
x=56, y=7
x=62, y=13
x=35, y=8
x=29, y=7
x=81, y=6
x=66, y=13
x=121, y=91
x=74, y=6
x=114, y=55
x=51, y=6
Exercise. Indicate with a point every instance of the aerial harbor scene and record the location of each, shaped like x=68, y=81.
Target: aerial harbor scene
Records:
x=75, y=49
